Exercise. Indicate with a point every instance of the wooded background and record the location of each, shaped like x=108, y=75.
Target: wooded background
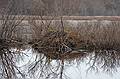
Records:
x=68, y=7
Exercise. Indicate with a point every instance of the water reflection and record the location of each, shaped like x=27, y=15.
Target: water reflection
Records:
x=107, y=60
x=46, y=67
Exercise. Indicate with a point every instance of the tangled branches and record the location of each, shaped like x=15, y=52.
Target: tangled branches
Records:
x=8, y=41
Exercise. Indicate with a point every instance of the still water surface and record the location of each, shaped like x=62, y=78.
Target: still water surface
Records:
x=104, y=67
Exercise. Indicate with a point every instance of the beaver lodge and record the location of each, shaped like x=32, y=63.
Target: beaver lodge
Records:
x=58, y=41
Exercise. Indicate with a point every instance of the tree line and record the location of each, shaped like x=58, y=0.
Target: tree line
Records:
x=70, y=7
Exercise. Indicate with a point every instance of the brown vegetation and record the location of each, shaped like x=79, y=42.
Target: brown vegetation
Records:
x=72, y=43
x=88, y=36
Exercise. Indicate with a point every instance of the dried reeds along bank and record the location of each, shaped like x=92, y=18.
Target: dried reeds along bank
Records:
x=61, y=42
x=95, y=34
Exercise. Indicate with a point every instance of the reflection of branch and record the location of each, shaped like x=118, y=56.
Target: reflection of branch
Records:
x=93, y=66
x=62, y=69
x=107, y=60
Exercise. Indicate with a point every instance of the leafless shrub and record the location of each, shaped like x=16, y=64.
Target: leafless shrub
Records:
x=8, y=40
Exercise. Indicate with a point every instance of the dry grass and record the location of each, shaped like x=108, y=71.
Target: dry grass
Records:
x=86, y=36
x=103, y=37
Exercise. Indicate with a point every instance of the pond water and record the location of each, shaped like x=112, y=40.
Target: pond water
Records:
x=87, y=67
